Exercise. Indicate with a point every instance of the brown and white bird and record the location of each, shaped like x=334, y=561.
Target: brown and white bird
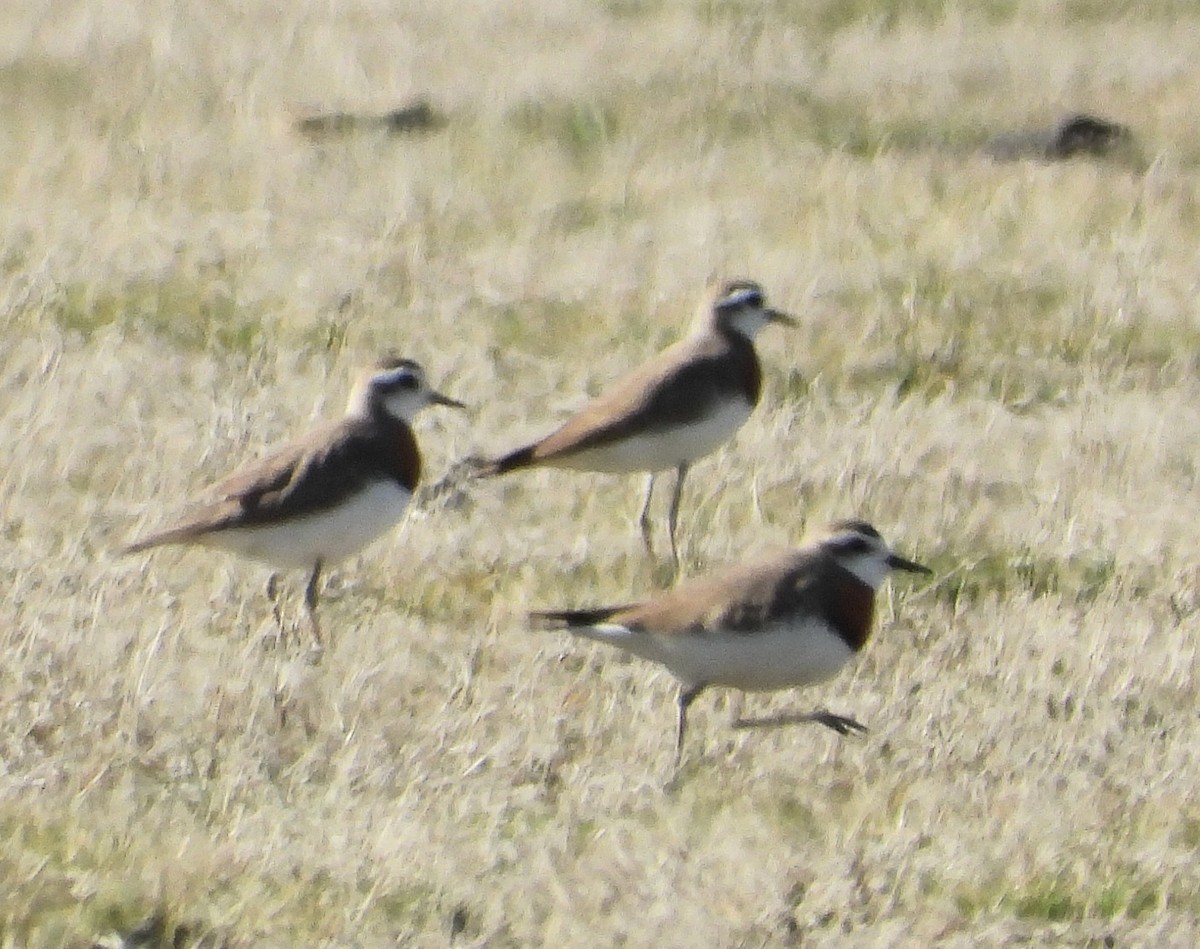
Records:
x=787, y=620
x=681, y=405
x=326, y=495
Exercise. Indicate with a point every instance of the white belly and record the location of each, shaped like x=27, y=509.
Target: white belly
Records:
x=329, y=536
x=665, y=448
x=780, y=656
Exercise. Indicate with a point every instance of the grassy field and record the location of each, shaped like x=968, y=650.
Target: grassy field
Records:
x=997, y=365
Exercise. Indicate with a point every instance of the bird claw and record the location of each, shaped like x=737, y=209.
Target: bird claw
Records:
x=839, y=723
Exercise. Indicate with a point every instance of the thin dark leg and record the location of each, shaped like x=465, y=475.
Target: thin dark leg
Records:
x=273, y=595
x=838, y=723
x=310, y=600
x=644, y=520
x=737, y=705
x=686, y=698
x=673, y=515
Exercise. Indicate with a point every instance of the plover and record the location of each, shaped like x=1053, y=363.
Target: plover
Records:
x=686, y=402
x=326, y=495
x=786, y=620
x=1079, y=134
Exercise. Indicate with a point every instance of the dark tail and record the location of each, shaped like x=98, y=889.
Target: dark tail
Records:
x=565, y=619
x=482, y=468
x=145, y=543
x=174, y=535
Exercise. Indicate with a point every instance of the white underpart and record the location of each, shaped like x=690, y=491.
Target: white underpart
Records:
x=664, y=448
x=779, y=656
x=329, y=535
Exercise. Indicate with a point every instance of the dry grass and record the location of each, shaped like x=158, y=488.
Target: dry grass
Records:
x=998, y=366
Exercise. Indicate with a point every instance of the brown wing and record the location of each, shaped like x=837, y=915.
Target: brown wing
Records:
x=677, y=386
x=305, y=476
x=742, y=599
x=275, y=471
x=738, y=599
x=244, y=489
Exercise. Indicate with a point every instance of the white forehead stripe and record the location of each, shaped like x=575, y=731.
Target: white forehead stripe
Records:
x=748, y=296
x=394, y=376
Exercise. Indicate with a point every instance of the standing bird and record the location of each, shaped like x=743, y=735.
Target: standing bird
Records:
x=686, y=402
x=787, y=620
x=326, y=495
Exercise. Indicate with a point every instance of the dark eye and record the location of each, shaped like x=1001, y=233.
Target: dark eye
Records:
x=853, y=546
x=398, y=380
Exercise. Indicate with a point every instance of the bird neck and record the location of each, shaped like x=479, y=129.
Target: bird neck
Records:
x=743, y=325
x=363, y=403
x=369, y=407
x=870, y=571
x=850, y=608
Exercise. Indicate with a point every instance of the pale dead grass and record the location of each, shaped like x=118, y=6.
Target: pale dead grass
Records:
x=997, y=366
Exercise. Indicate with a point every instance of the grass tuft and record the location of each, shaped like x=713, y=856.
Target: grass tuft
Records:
x=582, y=130
x=190, y=315
x=1057, y=898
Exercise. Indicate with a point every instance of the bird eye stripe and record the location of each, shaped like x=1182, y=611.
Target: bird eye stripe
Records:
x=852, y=545
x=862, y=528
x=749, y=296
x=396, y=379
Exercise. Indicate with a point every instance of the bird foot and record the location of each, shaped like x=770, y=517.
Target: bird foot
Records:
x=839, y=723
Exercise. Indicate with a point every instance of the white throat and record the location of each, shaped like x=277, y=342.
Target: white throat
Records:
x=871, y=569
x=748, y=322
x=401, y=405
